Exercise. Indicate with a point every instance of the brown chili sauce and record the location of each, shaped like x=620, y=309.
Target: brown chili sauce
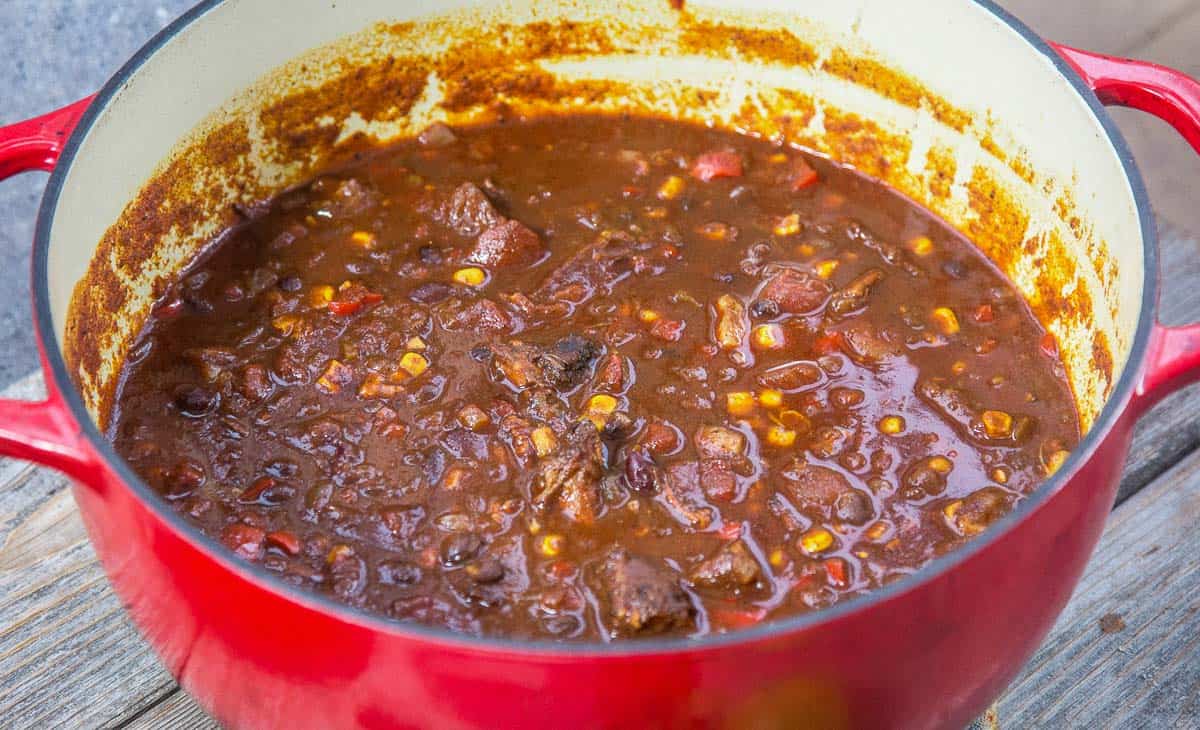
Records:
x=590, y=378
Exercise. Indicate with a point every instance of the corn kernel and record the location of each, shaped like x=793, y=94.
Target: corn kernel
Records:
x=1055, y=461
x=789, y=225
x=285, y=324
x=946, y=320
x=470, y=276
x=940, y=464
x=415, y=343
x=959, y=367
x=770, y=398
x=877, y=530
x=648, y=316
x=776, y=558
x=473, y=417
x=998, y=424
x=952, y=508
x=534, y=526
x=1000, y=475
x=366, y=239
x=921, y=246
x=716, y=231
x=454, y=478
x=602, y=404
x=767, y=337
x=544, y=441
x=826, y=268
x=779, y=436
x=816, y=540
x=335, y=376
x=374, y=387
x=778, y=158
x=551, y=545
x=671, y=188
x=794, y=420
x=739, y=404
x=319, y=296
x=891, y=425
x=413, y=363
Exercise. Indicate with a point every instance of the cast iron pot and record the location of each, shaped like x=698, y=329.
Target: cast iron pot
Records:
x=953, y=102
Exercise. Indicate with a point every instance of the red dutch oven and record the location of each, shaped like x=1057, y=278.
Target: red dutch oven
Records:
x=932, y=650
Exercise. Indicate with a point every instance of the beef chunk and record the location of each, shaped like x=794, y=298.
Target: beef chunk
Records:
x=791, y=377
x=515, y=361
x=853, y=297
x=684, y=498
x=795, y=291
x=565, y=364
x=543, y=404
x=343, y=198
x=469, y=211
x=571, y=477
x=642, y=597
x=826, y=492
x=437, y=135
x=866, y=346
x=562, y=365
x=732, y=567
x=508, y=243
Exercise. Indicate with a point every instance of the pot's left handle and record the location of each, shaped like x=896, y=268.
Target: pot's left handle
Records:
x=1173, y=355
x=43, y=431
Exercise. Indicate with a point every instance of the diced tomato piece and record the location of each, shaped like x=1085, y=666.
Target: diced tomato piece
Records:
x=712, y=165
x=372, y=298
x=736, y=618
x=803, y=175
x=983, y=313
x=285, y=541
x=667, y=329
x=345, y=309
x=828, y=343
x=631, y=191
x=255, y=490
x=730, y=531
x=837, y=571
x=1049, y=345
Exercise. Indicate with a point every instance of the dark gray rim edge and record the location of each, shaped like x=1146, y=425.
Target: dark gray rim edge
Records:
x=1109, y=415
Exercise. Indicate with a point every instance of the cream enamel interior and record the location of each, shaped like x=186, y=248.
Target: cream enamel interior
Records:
x=1057, y=162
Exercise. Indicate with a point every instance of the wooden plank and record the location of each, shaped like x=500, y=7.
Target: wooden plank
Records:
x=176, y=711
x=62, y=631
x=1126, y=652
x=1108, y=26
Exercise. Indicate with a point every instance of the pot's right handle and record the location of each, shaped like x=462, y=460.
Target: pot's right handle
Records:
x=1173, y=355
x=42, y=431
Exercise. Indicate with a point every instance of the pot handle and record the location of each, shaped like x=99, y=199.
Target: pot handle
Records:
x=44, y=431
x=1173, y=355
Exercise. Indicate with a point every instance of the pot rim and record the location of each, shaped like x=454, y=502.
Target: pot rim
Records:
x=1114, y=409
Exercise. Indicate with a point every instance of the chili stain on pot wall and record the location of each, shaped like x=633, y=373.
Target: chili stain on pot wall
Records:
x=766, y=75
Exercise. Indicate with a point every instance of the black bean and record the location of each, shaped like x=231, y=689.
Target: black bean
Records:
x=955, y=269
x=290, y=283
x=194, y=401
x=460, y=547
x=398, y=573
x=430, y=293
x=641, y=473
x=430, y=255
x=485, y=570
x=764, y=309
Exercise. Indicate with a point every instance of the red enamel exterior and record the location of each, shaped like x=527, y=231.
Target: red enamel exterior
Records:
x=932, y=652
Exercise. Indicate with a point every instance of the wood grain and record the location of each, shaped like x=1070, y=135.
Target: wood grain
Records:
x=1126, y=652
